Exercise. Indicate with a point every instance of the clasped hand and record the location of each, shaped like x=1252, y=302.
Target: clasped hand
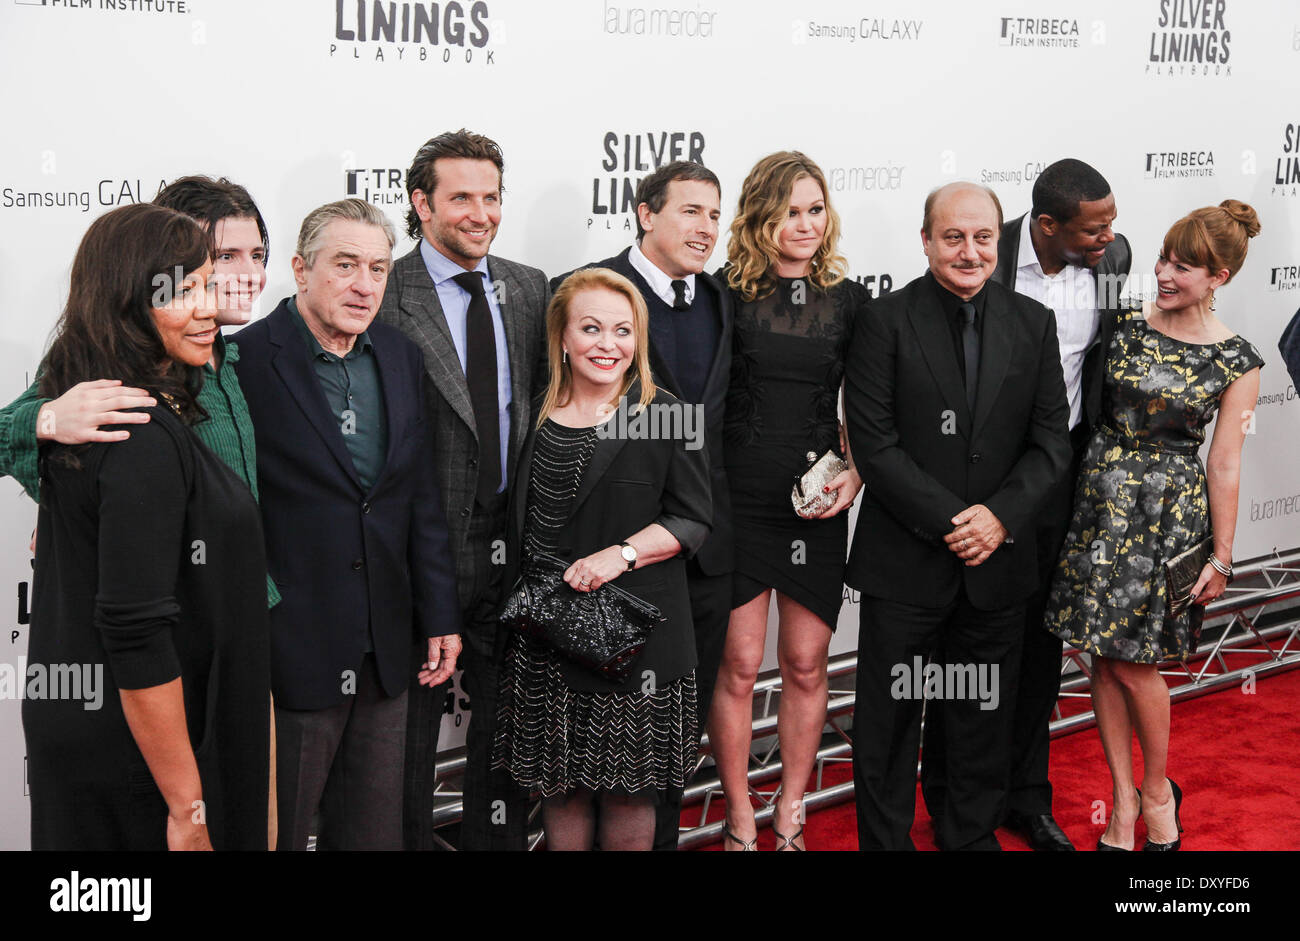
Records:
x=976, y=534
x=1209, y=586
x=592, y=571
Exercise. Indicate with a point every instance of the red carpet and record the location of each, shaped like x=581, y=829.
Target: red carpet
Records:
x=1235, y=755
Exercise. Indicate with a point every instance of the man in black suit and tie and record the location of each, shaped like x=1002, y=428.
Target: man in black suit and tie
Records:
x=480, y=321
x=355, y=536
x=1063, y=253
x=957, y=420
x=678, y=207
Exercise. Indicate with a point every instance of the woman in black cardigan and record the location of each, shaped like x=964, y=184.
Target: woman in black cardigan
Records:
x=623, y=498
x=150, y=573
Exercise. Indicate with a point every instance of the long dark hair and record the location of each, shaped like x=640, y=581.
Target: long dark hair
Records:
x=128, y=260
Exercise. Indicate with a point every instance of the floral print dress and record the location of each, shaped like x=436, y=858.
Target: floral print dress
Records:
x=1141, y=496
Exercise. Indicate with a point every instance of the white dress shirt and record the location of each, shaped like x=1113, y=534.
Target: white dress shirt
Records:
x=1072, y=294
x=659, y=282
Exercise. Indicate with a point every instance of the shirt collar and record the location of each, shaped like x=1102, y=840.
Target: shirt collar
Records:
x=1027, y=258
x=223, y=352
x=362, y=344
x=659, y=282
x=950, y=302
x=441, y=268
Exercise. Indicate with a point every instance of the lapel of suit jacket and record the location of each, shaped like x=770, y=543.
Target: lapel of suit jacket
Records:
x=607, y=448
x=511, y=300
x=995, y=355
x=661, y=331
x=395, y=405
x=293, y=364
x=519, y=486
x=720, y=368
x=1004, y=272
x=933, y=336
x=419, y=301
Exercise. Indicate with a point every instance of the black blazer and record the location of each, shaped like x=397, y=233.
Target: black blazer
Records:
x=924, y=457
x=717, y=555
x=629, y=484
x=1110, y=275
x=344, y=559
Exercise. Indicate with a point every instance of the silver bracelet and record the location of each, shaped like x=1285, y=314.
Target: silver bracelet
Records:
x=1222, y=569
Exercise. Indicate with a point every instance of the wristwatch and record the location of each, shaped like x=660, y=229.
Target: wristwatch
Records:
x=629, y=555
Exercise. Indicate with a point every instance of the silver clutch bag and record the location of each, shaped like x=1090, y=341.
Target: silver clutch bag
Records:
x=807, y=496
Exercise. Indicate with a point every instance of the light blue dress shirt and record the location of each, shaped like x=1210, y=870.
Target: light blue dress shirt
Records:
x=455, y=308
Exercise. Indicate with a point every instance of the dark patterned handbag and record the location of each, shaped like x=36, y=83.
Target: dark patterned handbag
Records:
x=604, y=630
x=1181, y=574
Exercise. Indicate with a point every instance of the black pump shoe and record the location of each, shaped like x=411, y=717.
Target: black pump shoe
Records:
x=1169, y=847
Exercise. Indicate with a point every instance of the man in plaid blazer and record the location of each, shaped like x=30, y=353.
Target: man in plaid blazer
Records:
x=442, y=295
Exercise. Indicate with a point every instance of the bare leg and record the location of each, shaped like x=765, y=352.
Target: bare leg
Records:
x=1147, y=695
x=627, y=824
x=1116, y=729
x=801, y=716
x=731, y=715
x=570, y=821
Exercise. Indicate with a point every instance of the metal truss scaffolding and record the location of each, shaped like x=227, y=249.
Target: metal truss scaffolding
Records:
x=1253, y=630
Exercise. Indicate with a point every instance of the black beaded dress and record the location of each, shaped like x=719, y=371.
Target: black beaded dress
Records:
x=556, y=739
x=786, y=369
x=1141, y=497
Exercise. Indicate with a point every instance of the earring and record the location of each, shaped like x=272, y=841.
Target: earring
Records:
x=566, y=356
x=1211, y=301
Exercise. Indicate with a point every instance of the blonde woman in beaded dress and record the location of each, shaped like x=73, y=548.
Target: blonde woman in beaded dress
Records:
x=621, y=506
x=1144, y=497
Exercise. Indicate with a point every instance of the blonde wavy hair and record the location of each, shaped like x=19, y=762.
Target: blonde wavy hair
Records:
x=560, y=387
x=752, y=252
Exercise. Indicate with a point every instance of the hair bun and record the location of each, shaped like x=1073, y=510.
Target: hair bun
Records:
x=1243, y=214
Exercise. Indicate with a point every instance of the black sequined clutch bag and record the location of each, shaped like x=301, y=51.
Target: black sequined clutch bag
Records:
x=1181, y=574
x=604, y=630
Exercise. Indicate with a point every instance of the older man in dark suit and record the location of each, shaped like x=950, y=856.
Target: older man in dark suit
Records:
x=957, y=420
x=480, y=321
x=355, y=535
x=678, y=206
x=1064, y=254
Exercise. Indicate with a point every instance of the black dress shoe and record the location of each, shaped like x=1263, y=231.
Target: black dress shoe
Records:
x=1042, y=832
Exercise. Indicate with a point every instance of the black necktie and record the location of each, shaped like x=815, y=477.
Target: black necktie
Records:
x=679, y=296
x=970, y=339
x=481, y=377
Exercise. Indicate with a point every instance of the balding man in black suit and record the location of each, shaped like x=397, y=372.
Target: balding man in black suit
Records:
x=957, y=420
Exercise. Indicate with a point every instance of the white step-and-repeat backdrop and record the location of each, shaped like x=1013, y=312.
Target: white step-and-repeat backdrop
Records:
x=1180, y=103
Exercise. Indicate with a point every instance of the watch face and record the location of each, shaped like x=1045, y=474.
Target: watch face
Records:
x=628, y=553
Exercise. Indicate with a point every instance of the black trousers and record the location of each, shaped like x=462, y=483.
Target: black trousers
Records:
x=894, y=642
x=710, y=611
x=495, y=809
x=1039, y=685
